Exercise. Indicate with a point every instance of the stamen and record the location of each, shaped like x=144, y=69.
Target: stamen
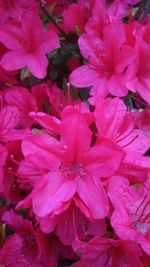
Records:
x=72, y=171
x=69, y=93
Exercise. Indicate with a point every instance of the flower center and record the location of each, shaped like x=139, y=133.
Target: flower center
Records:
x=72, y=171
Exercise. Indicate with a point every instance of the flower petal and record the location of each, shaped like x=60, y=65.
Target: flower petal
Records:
x=52, y=191
x=84, y=76
x=94, y=196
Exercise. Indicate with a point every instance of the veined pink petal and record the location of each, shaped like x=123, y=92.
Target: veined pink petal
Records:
x=51, y=193
x=28, y=172
x=109, y=115
x=31, y=22
x=10, y=35
x=76, y=137
x=13, y=60
x=91, y=191
x=99, y=88
x=48, y=122
x=43, y=151
x=84, y=76
x=37, y=65
x=48, y=41
x=131, y=218
x=114, y=36
x=89, y=44
x=47, y=224
x=103, y=159
x=120, y=221
x=21, y=98
x=15, y=134
x=143, y=88
x=8, y=118
x=136, y=144
x=116, y=85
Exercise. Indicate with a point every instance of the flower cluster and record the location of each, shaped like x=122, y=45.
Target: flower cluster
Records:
x=75, y=163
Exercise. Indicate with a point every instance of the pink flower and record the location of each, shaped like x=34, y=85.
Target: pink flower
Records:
x=9, y=119
x=138, y=74
x=11, y=253
x=104, y=15
x=131, y=217
x=36, y=247
x=117, y=10
x=73, y=167
x=11, y=189
x=28, y=43
x=24, y=101
x=7, y=77
x=39, y=92
x=107, y=61
x=52, y=249
x=58, y=103
x=74, y=18
x=28, y=174
x=13, y=9
x=50, y=123
x=24, y=229
x=142, y=119
x=101, y=252
x=116, y=123
x=74, y=224
x=56, y=99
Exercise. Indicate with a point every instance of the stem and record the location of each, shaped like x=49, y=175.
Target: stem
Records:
x=140, y=101
x=45, y=10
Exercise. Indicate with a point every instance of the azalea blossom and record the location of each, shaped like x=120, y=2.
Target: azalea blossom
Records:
x=13, y=9
x=142, y=120
x=74, y=164
x=138, y=75
x=11, y=253
x=74, y=18
x=73, y=167
x=115, y=122
x=108, y=252
x=131, y=218
x=24, y=101
x=74, y=224
x=28, y=44
x=9, y=120
x=107, y=61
